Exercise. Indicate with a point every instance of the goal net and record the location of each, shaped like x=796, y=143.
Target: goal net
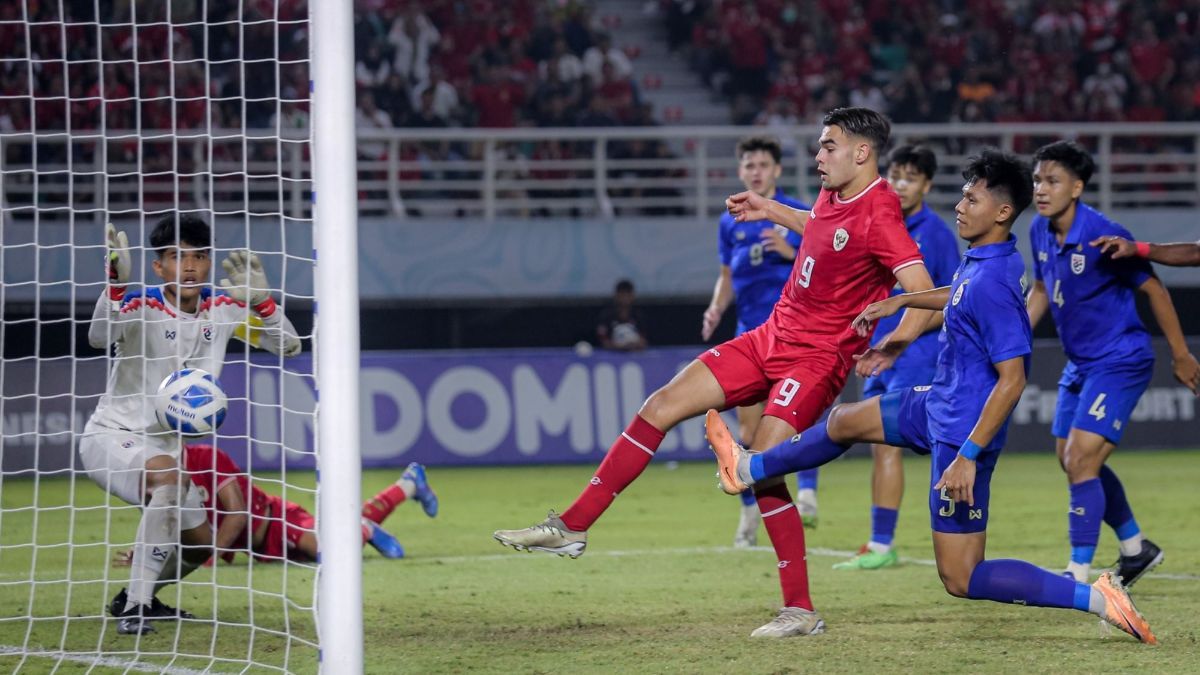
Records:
x=124, y=112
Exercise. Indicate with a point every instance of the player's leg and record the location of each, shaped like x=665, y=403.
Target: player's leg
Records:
x=887, y=490
x=413, y=483
x=692, y=391
x=748, y=521
x=806, y=496
x=959, y=541
x=1101, y=413
x=196, y=542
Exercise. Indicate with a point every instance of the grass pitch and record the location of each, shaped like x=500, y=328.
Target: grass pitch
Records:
x=659, y=589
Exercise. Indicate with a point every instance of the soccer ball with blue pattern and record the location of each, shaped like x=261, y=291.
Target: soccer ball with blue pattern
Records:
x=191, y=402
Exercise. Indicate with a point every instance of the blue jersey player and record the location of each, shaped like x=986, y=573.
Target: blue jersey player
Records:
x=961, y=419
x=1091, y=298
x=756, y=260
x=910, y=170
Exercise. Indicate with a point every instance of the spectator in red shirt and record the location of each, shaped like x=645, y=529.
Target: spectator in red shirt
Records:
x=496, y=98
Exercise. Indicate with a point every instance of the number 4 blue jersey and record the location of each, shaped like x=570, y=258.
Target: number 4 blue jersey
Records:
x=758, y=275
x=1091, y=295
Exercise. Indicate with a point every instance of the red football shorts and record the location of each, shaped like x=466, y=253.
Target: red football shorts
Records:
x=289, y=522
x=798, y=382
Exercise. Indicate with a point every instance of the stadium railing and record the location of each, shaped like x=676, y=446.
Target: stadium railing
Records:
x=591, y=172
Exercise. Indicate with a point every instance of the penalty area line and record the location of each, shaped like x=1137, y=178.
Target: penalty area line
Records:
x=129, y=665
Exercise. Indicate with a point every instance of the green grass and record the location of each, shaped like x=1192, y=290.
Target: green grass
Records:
x=657, y=591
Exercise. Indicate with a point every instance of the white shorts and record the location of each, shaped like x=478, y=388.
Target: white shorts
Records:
x=115, y=460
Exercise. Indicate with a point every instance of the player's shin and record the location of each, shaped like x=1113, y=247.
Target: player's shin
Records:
x=1118, y=515
x=783, y=525
x=806, y=450
x=157, y=542
x=1016, y=581
x=625, y=461
x=1083, y=521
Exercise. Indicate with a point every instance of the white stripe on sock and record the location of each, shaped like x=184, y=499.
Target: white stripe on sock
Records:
x=648, y=450
x=785, y=507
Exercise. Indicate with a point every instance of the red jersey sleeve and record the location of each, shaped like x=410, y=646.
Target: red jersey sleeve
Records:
x=227, y=469
x=890, y=242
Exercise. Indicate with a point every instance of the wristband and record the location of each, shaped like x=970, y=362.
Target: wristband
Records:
x=115, y=293
x=1143, y=249
x=265, y=308
x=970, y=450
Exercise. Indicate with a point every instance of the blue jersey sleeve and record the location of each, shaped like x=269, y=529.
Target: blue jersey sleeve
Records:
x=1002, y=321
x=942, y=258
x=724, y=245
x=1035, y=248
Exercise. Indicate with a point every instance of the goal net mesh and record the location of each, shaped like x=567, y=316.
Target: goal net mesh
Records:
x=123, y=112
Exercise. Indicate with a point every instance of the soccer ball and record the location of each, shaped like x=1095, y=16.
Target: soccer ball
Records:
x=191, y=402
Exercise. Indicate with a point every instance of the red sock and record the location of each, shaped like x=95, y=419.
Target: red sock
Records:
x=381, y=505
x=624, y=462
x=366, y=533
x=787, y=536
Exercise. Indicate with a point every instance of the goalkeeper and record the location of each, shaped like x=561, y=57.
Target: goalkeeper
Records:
x=157, y=330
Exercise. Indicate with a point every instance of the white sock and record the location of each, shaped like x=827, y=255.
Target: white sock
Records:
x=157, y=541
x=1133, y=545
x=1080, y=571
x=173, y=564
x=807, y=497
x=877, y=547
x=1096, y=603
x=409, y=487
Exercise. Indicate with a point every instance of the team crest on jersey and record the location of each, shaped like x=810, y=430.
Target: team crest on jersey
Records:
x=740, y=235
x=1078, y=260
x=1042, y=257
x=206, y=332
x=169, y=334
x=840, y=238
x=203, y=492
x=958, y=293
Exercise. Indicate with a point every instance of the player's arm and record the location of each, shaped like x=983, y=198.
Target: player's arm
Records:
x=232, y=505
x=107, y=318
x=750, y=205
x=959, y=478
x=1182, y=254
x=1183, y=362
x=1037, y=302
x=247, y=283
x=722, y=297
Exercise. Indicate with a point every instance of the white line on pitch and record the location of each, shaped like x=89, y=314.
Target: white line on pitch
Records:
x=99, y=660
x=817, y=551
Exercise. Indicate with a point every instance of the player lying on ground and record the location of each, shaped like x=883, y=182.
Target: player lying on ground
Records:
x=962, y=418
x=910, y=171
x=1111, y=360
x=251, y=521
x=1182, y=254
x=855, y=249
x=756, y=260
x=157, y=330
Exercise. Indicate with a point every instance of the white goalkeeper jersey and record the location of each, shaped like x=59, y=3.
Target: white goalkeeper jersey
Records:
x=153, y=339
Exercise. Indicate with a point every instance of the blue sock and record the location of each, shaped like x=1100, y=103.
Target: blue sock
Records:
x=748, y=498
x=1016, y=581
x=807, y=480
x=813, y=449
x=1117, y=513
x=1083, y=520
x=883, y=524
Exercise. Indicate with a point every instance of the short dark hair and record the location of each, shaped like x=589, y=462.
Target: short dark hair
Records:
x=1071, y=155
x=768, y=144
x=174, y=229
x=624, y=286
x=917, y=156
x=1005, y=173
x=861, y=122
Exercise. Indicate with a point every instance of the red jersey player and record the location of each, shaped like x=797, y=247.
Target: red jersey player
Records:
x=855, y=248
x=273, y=529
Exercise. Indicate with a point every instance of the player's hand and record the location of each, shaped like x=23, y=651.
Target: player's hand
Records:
x=247, y=282
x=1187, y=371
x=959, y=480
x=712, y=319
x=877, y=359
x=123, y=558
x=874, y=312
x=777, y=243
x=118, y=265
x=747, y=205
x=1117, y=247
